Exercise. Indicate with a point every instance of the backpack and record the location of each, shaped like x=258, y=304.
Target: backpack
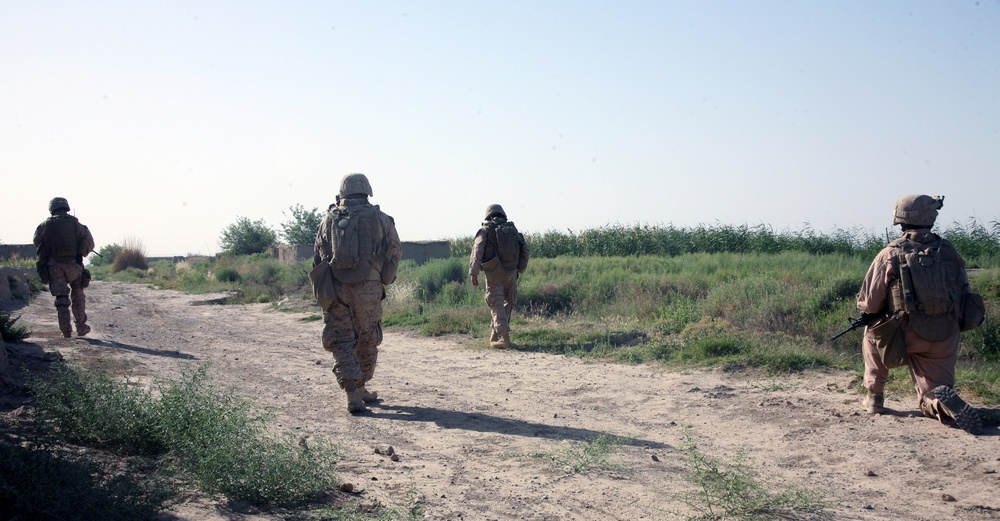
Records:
x=931, y=286
x=344, y=238
x=506, y=244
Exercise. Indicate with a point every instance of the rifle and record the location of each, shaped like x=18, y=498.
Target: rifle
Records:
x=862, y=321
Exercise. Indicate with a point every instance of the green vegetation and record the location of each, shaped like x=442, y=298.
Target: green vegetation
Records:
x=105, y=254
x=245, y=278
x=735, y=491
x=181, y=430
x=10, y=330
x=730, y=297
x=246, y=237
x=580, y=458
x=301, y=229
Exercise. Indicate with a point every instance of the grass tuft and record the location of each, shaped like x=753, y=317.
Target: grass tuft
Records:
x=131, y=255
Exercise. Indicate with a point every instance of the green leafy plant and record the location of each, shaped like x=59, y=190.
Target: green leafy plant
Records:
x=10, y=330
x=735, y=491
x=211, y=436
x=301, y=228
x=580, y=458
x=246, y=237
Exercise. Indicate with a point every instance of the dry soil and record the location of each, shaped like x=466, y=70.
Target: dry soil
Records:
x=467, y=422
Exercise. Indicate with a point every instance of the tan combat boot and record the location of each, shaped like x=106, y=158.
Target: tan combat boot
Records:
x=874, y=403
x=355, y=398
x=366, y=395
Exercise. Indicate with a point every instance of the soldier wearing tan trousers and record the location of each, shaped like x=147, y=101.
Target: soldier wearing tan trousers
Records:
x=931, y=341
x=61, y=243
x=361, y=244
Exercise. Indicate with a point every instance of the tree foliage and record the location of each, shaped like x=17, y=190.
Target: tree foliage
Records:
x=246, y=237
x=301, y=229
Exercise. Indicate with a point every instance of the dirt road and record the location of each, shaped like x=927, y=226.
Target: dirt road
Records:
x=465, y=420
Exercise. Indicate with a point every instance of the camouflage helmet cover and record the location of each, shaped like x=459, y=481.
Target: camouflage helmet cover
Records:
x=57, y=204
x=495, y=210
x=355, y=184
x=917, y=210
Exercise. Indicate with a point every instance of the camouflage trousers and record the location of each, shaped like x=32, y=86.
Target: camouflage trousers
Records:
x=64, y=284
x=931, y=364
x=501, y=295
x=352, y=329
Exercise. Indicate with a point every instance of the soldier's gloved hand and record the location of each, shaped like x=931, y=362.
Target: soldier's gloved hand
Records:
x=475, y=280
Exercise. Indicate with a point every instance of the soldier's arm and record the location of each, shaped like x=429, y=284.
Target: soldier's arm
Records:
x=476, y=257
x=875, y=288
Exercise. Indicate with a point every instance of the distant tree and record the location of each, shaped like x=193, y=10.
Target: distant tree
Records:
x=246, y=237
x=108, y=252
x=301, y=229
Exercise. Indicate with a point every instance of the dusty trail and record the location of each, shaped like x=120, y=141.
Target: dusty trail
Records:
x=464, y=419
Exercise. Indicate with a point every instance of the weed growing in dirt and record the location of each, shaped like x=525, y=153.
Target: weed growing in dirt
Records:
x=10, y=330
x=580, y=458
x=212, y=437
x=734, y=491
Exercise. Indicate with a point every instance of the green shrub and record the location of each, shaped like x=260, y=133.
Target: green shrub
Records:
x=10, y=330
x=301, y=229
x=228, y=275
x=246, y=237
x=105, y=255
x=214, y=437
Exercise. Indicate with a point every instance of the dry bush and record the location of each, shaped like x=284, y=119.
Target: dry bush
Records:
x=131, y=255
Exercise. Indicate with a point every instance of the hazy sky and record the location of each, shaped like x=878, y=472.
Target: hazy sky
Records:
x=166, y=121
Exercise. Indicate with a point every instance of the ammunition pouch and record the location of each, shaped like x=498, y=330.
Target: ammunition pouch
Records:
x=973, y=311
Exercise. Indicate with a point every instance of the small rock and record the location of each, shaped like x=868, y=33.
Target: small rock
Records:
x=555, y=415
x=948, y=498
x=654, y=458
x=871, y=474
x=989, y=471
x=394, y=457
x=869, y=506
x=347, y=487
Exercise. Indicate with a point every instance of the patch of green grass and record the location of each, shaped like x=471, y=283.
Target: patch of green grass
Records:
x=10, y=330
x=580, y=458
x=214, y=438
x=735, y=491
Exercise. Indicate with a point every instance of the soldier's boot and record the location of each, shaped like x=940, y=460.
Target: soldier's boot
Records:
x=874, y=403
x=494, y=336
x=355, y=398
x=502, y=339
x=965, y=416
x=82, y=329
x=63, y=314
x=366, y=395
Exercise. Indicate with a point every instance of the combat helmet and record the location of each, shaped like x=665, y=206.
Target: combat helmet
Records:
x=495, y=210
x=58, y=204
x=353, y=184
x=917, y=210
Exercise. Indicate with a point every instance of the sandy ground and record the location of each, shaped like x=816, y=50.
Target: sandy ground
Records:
x=465, y=419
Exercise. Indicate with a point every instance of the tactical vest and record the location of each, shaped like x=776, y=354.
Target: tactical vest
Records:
x=930, y=286
x=61, y=235
x=355, y=236
x=504, y=242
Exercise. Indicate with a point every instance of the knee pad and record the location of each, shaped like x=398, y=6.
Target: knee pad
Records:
x=62, y=301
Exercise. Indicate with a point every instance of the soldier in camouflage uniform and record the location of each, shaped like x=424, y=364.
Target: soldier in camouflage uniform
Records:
x=500, y=251
x=931, y=340
x=362, y=246
x=61, y=243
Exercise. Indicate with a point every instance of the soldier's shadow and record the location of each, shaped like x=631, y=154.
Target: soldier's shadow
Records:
x=475, y=421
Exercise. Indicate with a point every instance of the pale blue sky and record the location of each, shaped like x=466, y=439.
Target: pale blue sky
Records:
x=168, y=120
